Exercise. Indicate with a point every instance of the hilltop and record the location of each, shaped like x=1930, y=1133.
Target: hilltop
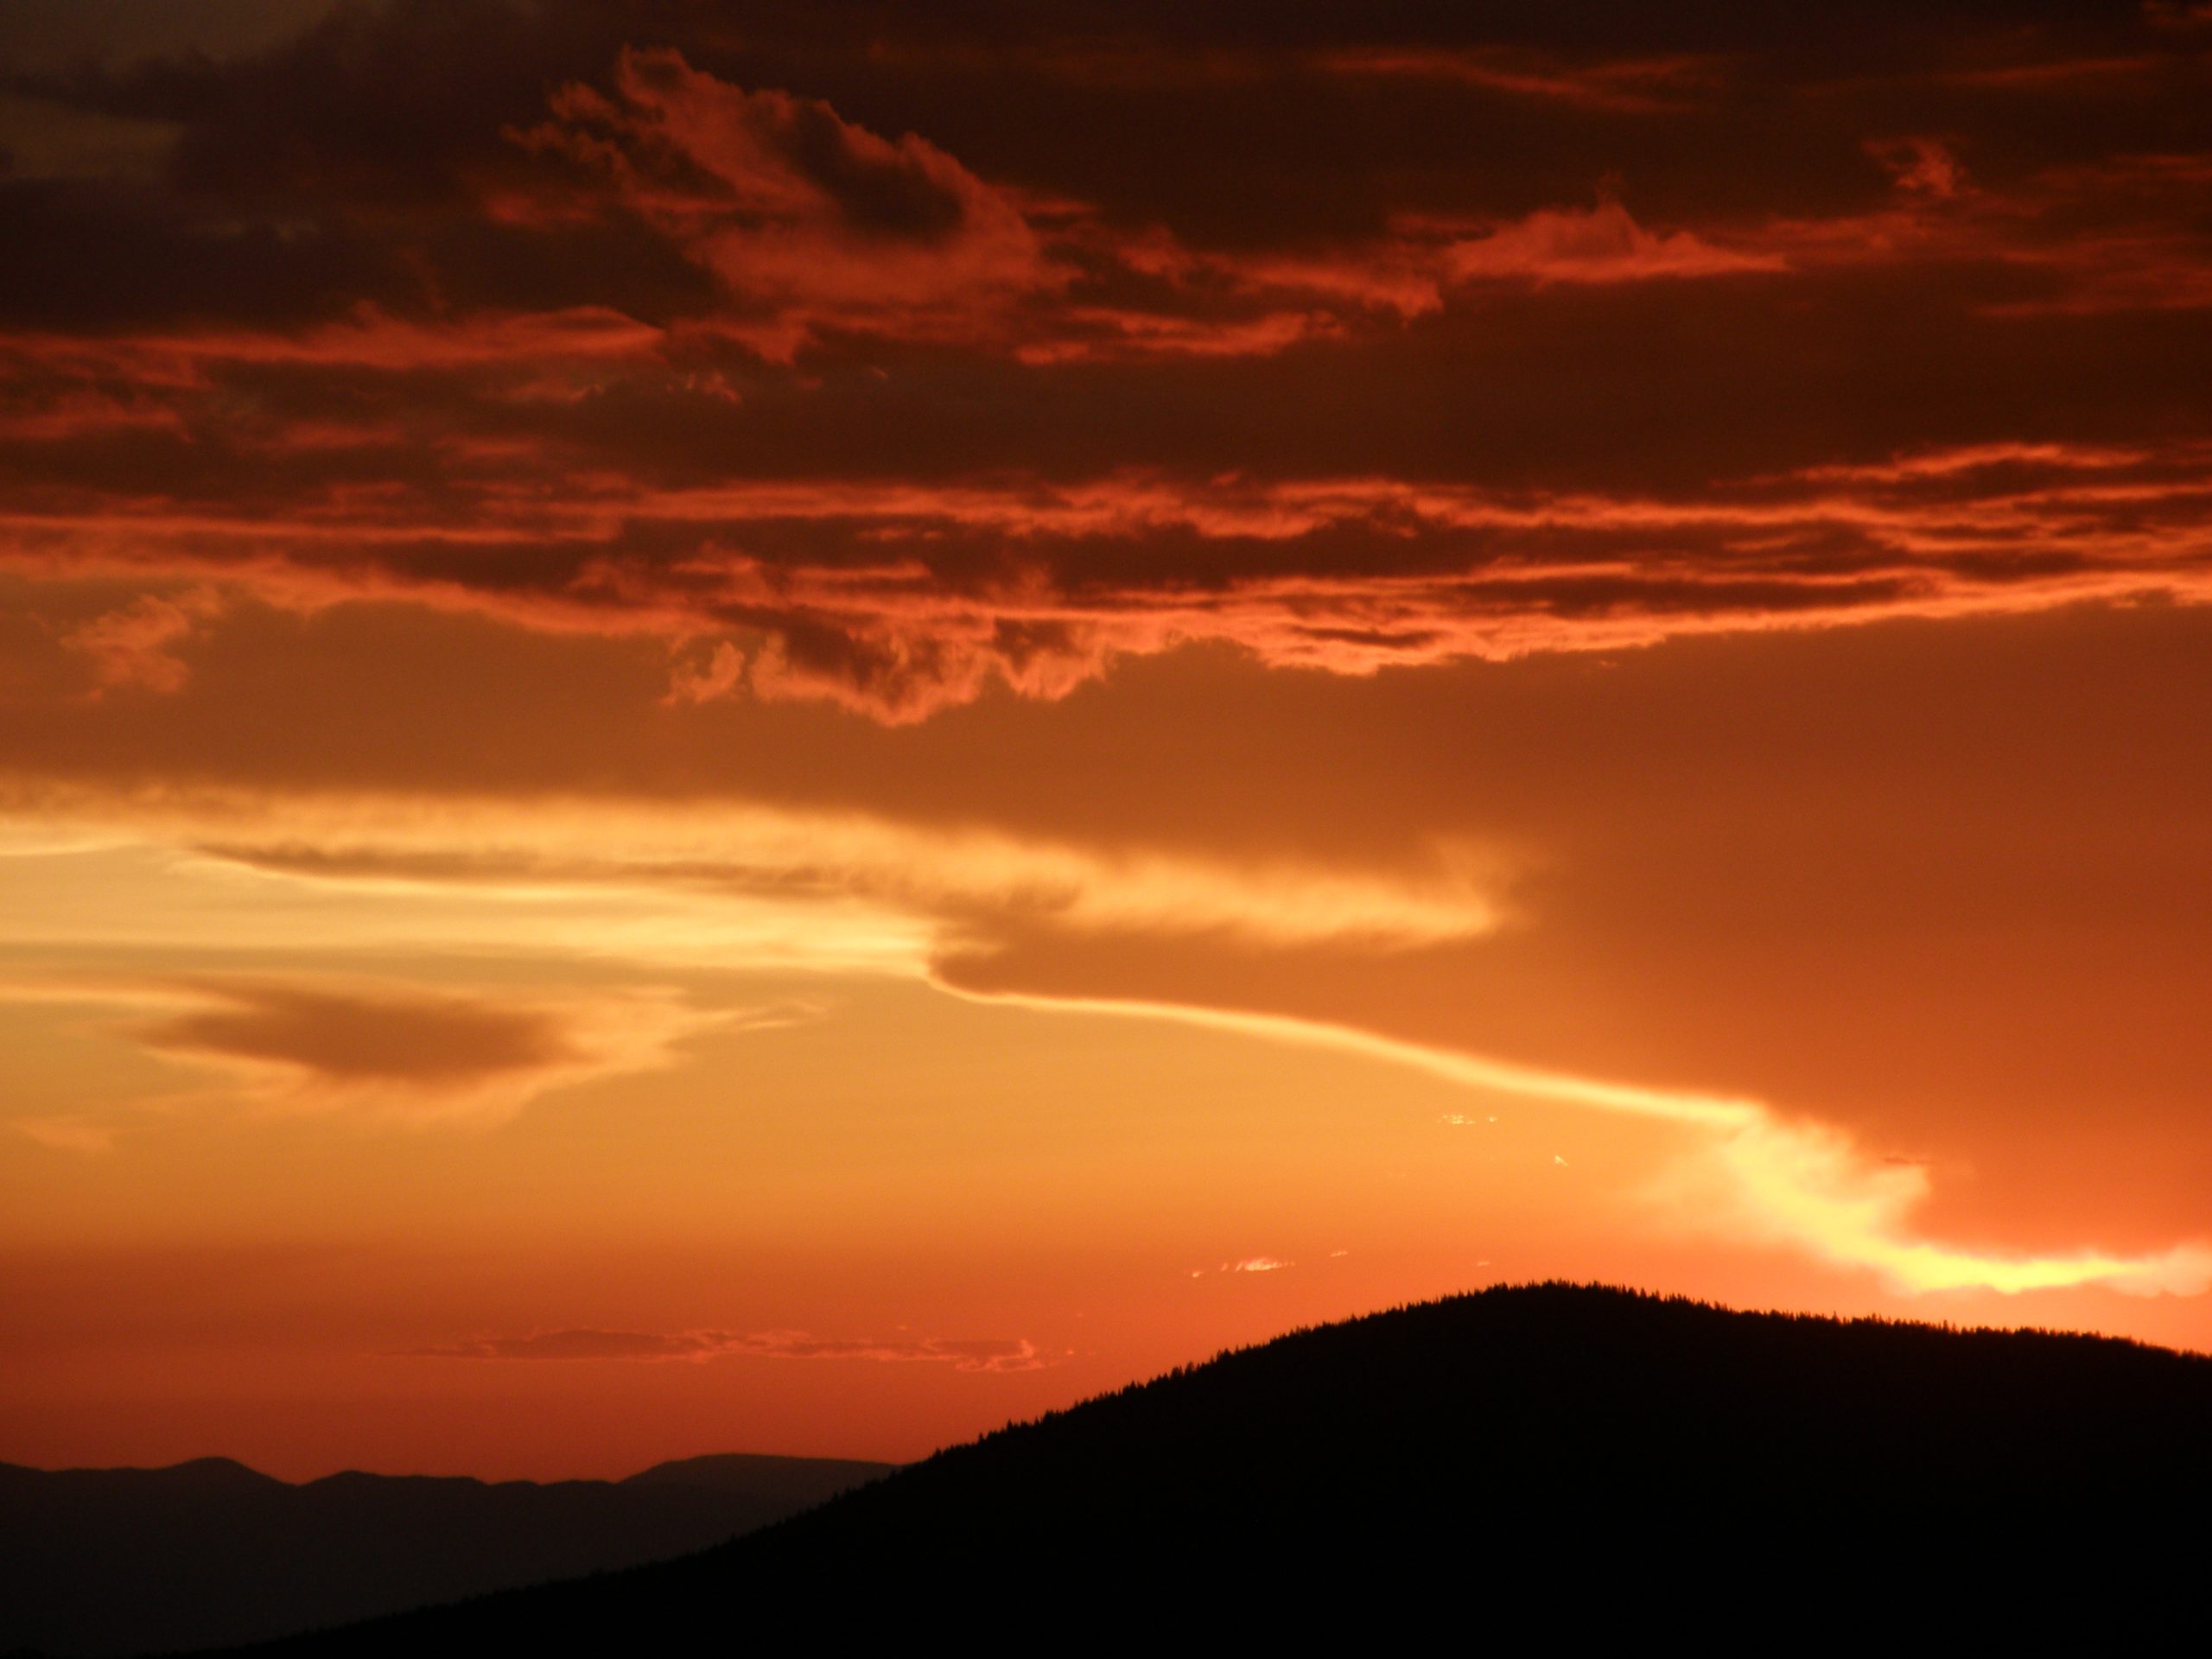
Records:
x=1609, y=1462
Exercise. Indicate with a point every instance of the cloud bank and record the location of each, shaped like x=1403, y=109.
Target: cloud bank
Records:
x=850, y=377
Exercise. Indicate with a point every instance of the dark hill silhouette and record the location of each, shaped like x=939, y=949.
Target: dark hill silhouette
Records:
x=121, y=1561
x=1548, y=1463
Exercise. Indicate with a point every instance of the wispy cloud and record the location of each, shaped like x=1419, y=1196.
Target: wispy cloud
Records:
x=70, y=1132
x=1249, y=1264
x=879, y=892
x=1805, y=1185
x=960, y=1353
x=971, y=585
x=1618, y=86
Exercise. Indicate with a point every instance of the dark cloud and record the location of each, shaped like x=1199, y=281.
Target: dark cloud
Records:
x=412, y=1040
x=881, y=360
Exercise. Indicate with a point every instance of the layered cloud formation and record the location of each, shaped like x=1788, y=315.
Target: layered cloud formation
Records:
x=672, y=678
x=854, y=377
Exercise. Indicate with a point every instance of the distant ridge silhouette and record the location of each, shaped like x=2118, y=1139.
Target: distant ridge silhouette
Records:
x=101, y=1561
x=1546, y=1463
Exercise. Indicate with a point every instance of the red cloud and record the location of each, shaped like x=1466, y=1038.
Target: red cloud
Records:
x=1633, y=85
x=1409, y=272
x=134, y=646
x=1920, y=166
x=815, y=225
x=827, y=414
x=809, y=222
x=1601, y=245
x=1040, y=588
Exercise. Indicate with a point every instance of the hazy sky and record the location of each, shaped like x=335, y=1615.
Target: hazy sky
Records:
x=790, y=727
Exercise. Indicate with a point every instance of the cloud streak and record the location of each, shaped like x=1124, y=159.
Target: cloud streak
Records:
x=966, y=882
x=981, y=1355
x=900, y=599
x=1805, y=1185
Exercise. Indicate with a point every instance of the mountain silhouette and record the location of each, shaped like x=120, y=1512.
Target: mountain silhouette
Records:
x=1546, y=1463
x=98, y=1561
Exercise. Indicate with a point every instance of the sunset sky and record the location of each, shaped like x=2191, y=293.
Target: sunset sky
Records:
x=796, y=726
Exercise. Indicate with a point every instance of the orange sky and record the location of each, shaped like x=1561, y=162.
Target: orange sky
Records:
x=798, y=730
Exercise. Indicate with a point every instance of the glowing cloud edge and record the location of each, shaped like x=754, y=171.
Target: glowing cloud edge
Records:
x=1804, y=1185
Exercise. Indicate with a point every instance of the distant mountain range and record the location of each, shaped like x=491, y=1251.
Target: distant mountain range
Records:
x=99, y=1561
